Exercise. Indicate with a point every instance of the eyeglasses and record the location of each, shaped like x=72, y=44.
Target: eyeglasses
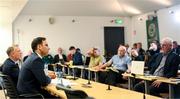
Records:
x=165, y=45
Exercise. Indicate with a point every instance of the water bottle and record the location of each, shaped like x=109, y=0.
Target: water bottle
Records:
x=59, y=76
x=46, y=69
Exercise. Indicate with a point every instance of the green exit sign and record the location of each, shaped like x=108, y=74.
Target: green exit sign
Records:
x=118, y=21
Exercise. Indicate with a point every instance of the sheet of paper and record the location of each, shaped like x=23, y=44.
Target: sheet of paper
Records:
x=137, y=67
x=65, y=82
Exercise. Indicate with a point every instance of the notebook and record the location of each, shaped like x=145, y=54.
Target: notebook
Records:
x=137, y=67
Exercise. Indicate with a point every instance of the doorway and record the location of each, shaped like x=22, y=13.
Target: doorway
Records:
x=113, y=37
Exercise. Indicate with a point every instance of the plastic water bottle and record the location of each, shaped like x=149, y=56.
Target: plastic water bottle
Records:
x=46, y=69
x=59, y=76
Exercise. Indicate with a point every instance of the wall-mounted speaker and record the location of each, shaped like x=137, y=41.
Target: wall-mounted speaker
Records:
x=51, y=20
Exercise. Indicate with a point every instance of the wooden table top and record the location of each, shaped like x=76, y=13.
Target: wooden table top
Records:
x=151, y=78
x=99, y=91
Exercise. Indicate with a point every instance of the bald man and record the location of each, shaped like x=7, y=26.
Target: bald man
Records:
x=120, y=63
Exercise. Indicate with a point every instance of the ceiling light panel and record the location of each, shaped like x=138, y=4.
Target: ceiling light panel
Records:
x=163, y=2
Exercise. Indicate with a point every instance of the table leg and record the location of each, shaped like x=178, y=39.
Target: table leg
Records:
x=146, y=86
x=171, y=91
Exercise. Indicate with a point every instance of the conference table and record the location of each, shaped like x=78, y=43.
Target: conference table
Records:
x=172, y=82
x=98, y=90
x=81, y=67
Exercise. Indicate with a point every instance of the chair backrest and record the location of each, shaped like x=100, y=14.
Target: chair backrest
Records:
x=87, y=60
x=9, y=86
x=72, y=94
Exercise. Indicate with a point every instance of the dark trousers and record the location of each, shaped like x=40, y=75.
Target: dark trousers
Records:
x=114, y=78
x=77, y=72
x=47, y=95
x=44, y=93
x=102, y=76
x=140, y=87
x=86, y=75
x=177, y=91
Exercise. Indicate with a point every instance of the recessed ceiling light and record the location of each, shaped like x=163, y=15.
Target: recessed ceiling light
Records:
x=163, y=2
x=131, y=9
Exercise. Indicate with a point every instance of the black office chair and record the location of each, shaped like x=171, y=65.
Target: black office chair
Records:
x=73, y=94
x=11, y=91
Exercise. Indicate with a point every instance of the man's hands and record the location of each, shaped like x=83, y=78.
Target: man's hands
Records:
x=51, y=74
x=156, y=83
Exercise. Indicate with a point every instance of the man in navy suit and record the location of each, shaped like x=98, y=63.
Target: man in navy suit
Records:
x=10, y=66
x=165, y=65
x=32, y=76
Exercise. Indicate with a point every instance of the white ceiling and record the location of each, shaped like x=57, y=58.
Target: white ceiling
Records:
x=9, y=9
x=94, y=7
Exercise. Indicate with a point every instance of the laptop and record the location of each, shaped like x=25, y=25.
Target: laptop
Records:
x=137, y=67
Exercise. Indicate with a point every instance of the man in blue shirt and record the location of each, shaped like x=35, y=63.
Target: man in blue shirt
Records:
x=120, y=63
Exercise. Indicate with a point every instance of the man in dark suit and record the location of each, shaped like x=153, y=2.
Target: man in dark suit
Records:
x=10, y=66
x=165, y=65
x=60, y=57
x=176, y=48
x=140, y=50
x=32, y=76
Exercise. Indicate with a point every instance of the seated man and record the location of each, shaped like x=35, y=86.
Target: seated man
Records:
x=32, y=76
x=135, y=56
x=96, y=60
x=72, y=50
x=176, y=47
x=165, y=65
x=10, y=66
x=77, y=57
x=60, y=57
x=120, y=62
x=78, y=61
x=140, y=50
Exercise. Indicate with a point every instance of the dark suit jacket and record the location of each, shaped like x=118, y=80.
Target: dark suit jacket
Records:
x=170, y=67
x=177, y=50
x=11, y=69
x=141, y=53
x=32, y=76
x=77, y=59
x=56, y=59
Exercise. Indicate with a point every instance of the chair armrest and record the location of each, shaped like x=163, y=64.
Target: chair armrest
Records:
x=31, y=95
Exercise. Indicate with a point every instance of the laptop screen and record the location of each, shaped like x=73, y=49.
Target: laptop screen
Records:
x=137, y=67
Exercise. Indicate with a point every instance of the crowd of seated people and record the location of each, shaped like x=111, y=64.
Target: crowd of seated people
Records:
x=165, y=64
x=163, y=60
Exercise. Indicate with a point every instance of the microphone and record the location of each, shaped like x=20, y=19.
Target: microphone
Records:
x=134, y=75
x=89, y=82
x=144, y=96
x=74, y=74
x=109, y=86
x=89, y=77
